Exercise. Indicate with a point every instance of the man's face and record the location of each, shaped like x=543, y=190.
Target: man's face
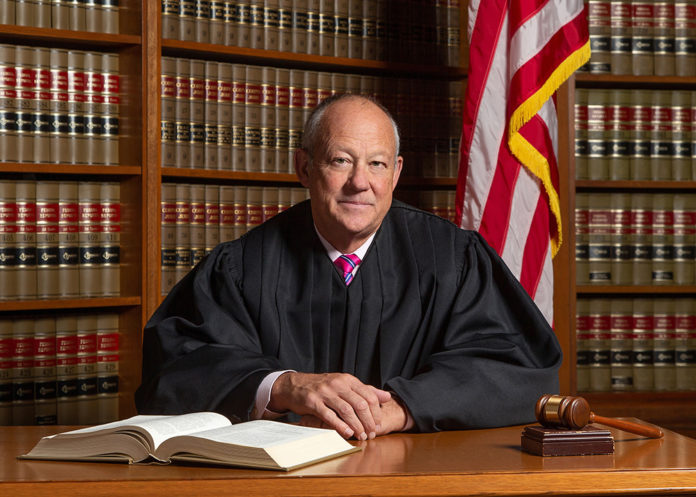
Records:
x=353, y=173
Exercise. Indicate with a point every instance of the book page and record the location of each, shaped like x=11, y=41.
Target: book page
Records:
x=260, y=433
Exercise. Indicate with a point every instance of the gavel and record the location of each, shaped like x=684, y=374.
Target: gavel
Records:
x=564, y=411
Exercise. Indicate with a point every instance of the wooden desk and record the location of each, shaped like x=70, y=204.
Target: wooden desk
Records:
x=479, y=462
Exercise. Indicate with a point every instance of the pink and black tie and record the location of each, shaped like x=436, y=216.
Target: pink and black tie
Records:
x=347, y=263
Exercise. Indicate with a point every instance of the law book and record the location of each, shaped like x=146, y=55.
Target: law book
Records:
x=182, y=112
x=661, y=136
x=6, y=351
x=620, y=343
x=76, y=107
x=8, y=104
x=168, y=105
x=183, y=231
x=68, y=239
x=66, y=369
x=201, y=437
x=197, y=114
x=269, y=202
x=619, y=135
x=23, y=371
x=107, y=367
x=202, y=21
x=228, y=212
x=581, y=144
x=86, y=400
x=112, y=102
x=295, y=113
x=254, y=205
x=300, y=25
x=313, y=27
x=662, y=243
x=285, y=27
x=685, y=344
x=110, y=16
x=268, y=126
x=643, y=37
x=642, y=124
x=455, y=125
x=60, y=14
x=41, y=118
x=621, y=37
x=355, y=29
x=47, y=239
x=7, y=11
x=599, y=27
x=77, y=14
x=90, y=260
x=167, y=237
x=598, y=119
x=643, y=338
x=253, y=118
x=621, y=263
x=45, y=412
x=110, y=238
x=582, y=351
x=641, y=238
x=682, y=115
x=197, y=223
x=599, y=345
x=212, y=217
x=27, y=103
x=282, y=122
x=210, y=153
x=25, y=203
x=170, y=19
x=664, y=38
x=236, y=28
x=684, y=256
x=95, y=109
x=685, y=37
x=238, y=117
x=599, y=239
x=664, y=371
x=24, y=12
x=8, y=241
x=216, y=22
x=187, y=20
x=60, y=142
x=582, y=239
x=327, y=28
x=256, y=24
x=271, y=24
x=224, y=116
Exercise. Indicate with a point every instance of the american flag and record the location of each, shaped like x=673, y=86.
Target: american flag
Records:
x=520, y=52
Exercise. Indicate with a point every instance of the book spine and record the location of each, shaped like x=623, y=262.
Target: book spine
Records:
x=26, y=102
x=23, y=372
x=94, y=16
x=662, y=248
x=110, y=238
x=202, y=21
x=355, y=28
x=642, y=123
x=619, y=135
x=197, y=113
x=598, y=119
x=621, y=264
x=42, y=117
x=282, y=122
x=7, y=12
x=369, y=18
x=6, y=359
x=341, y=44
x=269, y=202
x=599, y=346
x=641, y=238
x=284, y=199
x=681, y=135
x=684, y=208
x=664, y=47
x=621, y=37
x=111, y=22
x=582, y=351
x=685, y=344
x=664, y=375
x=252, y=120
x=300, y=25
x=168, y=103
x=232, y=27
x=271, y=25
x=76, y=106
x=170, y=19
x=183, y=230
x=94, y=109
x=112, y=103
x=187, y=20
x=643, y=339
x=295, y=115
x=77, y=15
x=90, y=265
x=685, y=37
x=600, y=228
x=240, y=211
x=224, y=116
x=66, y=369
x=311, y=94
x=45, y=411
x=68, y=239
x=599, y=26
x=9, y=289
x=268, y=116
x=60, y=142
x=661, y=136
x=285, y=27
x=327, y=28
x=581, y=143
x=211, y=125
x=254, y=204
x=168, y=237
x=216, y=22
x=183, y=109
x=8, y=104
x=620, y=343
x=197, y=223
x=212, y=217
x=25, y=11
x=87, y=407
x=313, y=27
x=25, y=202
x=107, y=367
x=226, y=209
x=47, y=253
x=238, y=117
x=256, y=24
x=60, y=14
x=643, y=37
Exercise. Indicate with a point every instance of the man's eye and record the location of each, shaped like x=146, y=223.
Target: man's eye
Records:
x=340, y=161
x=379, y=164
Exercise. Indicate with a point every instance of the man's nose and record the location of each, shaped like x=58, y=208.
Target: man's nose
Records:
x=359, y=176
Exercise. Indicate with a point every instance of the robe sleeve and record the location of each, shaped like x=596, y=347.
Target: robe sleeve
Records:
x=201, y=348
x=495, y=356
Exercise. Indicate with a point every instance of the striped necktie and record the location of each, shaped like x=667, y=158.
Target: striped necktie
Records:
x=347, y=263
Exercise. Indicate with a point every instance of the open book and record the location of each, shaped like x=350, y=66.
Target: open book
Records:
x=203, y=437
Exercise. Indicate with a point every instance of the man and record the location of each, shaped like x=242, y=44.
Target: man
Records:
x=425, y=329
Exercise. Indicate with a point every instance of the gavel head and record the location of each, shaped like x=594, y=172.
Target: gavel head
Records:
x=562, y=411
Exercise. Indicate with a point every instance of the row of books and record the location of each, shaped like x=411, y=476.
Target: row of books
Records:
x=642, y=37
x=639, y=344
x=59, y=239
x=218, y=115
x=394, y=30
x=440, y=202
x=101, y=16
x=635, y=134
x=635, y=238
x=59, y=369
x=58, y=106
x=196, y=217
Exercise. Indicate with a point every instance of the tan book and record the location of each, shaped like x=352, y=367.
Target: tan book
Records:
x=621, y=261
x=269, y=202
x=252, y=118
x=212, y=217
x=25, y=12
x=216, y=22
x=369, y=19
x=284, y=198
x=42, y=117
x=202, y=22
x=355, y=29
x=60, y=14
x=76, y=106
x=111, y=16
x=8, y=104
x=66, y=369
x=22, y=371
x=197, y=113
x=664, y=374
x=295, y=113
x=285, y=27
x=685, y=343
x=25, y=202
x=6, y=346
x=642, y=238
x=341, y=43
x=95, y=109
x=7, y=12
x=581, y=144
x=187, y=20
x=110, y=238
x=643, y=37
x=112, y=102
x=77, y=15
x=202, y=437
x=621, y=37
x=621, y=344
x=60, y=141
x=621, y=130
x=600, y=238
x=662, y=240
x=183, y=111
x=224, y=116
x=168, y=102
x=582, y=351
x=256, y=24
x=684, y=256
x=282, y=121
x=94, y=16
x=664, y=44
x=599, y=345
x=27, y=102
x=327, y=28
x=268, y=116
x=642, y=124
x=582, y=238
x=230, y=207
x=90, y=269
x=271, y=24
x=47, y=235
x=661, y=136
x=9, y=289
x=197, y=223
x=170, y=19
x=254, y=205
x=599, y=26
x=238, y=117
x=598, y=122
x=242, y=23
x=311, y=94
x=107, y=367
x=313, y=26
x=183, y=230
x=45, y=411
x=87, y=407
x=685, y=37
x=68, y=239
x=300, y=25
x=167, y=237
x=681, y=134
x=210, y=158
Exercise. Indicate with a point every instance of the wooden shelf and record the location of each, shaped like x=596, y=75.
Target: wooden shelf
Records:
x=637, y=289
x=69, y=169
x=629, y=80
x=61, y=304
x=214, y=174
x=585, y=185
x=65, y=37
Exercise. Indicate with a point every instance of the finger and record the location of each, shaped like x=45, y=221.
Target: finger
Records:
x=332, y=420
x=355, y=410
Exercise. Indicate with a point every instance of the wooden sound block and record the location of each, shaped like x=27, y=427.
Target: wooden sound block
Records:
x=589, y=440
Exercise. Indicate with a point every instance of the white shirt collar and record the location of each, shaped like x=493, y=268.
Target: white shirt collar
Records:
x=333, y=253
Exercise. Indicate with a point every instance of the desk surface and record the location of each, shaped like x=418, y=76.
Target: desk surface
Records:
x=477, y=462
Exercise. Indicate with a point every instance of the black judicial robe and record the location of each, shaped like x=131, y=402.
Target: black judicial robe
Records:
x=432, y=315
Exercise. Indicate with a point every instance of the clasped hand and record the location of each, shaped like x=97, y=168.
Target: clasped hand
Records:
x=339, y=401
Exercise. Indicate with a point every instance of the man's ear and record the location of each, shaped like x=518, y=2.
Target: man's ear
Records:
x=301, y=162
x=397, y=171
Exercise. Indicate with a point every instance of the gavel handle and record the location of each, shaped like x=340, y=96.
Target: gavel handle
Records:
x=638, y=429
